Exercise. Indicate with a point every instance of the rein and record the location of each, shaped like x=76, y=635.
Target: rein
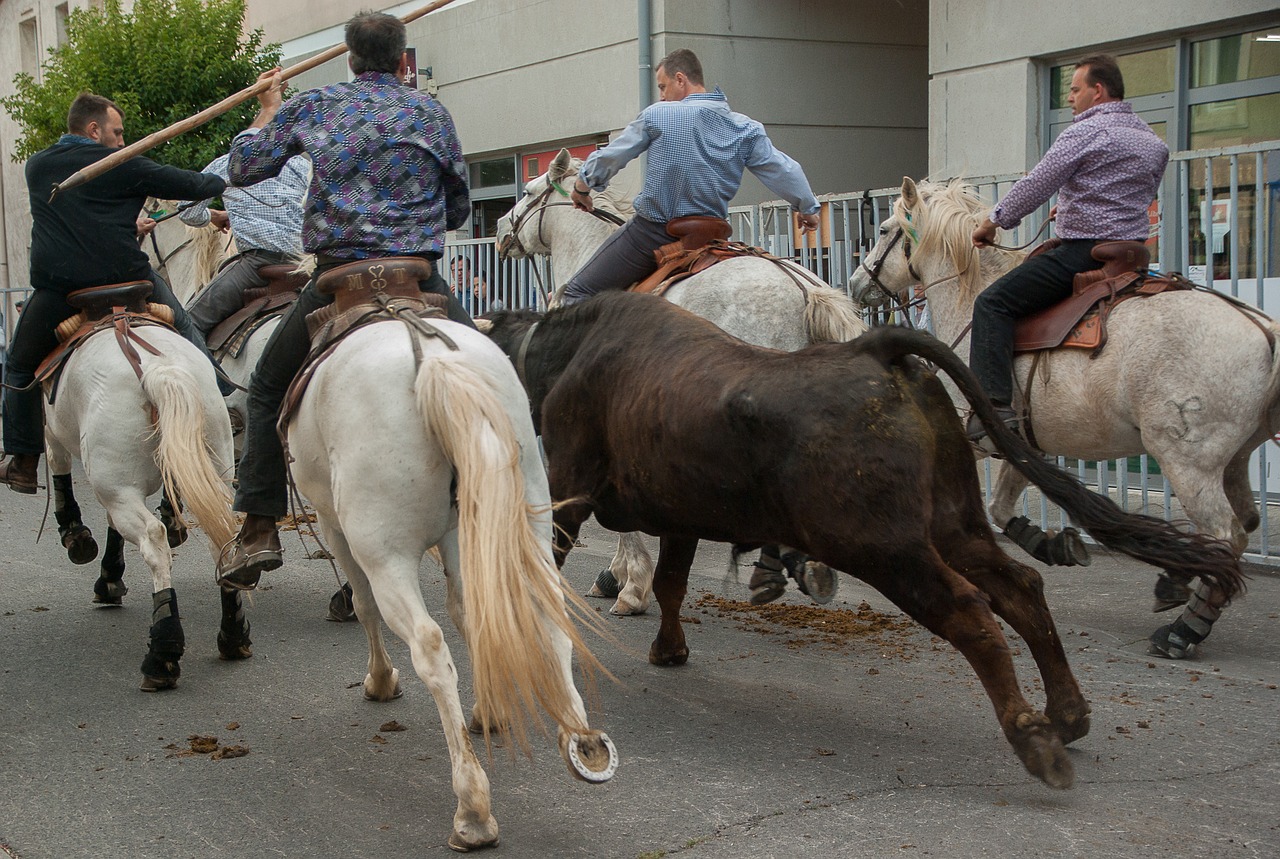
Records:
x=539, y=207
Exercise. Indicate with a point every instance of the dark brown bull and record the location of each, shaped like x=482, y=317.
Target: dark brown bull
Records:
x=654, y=420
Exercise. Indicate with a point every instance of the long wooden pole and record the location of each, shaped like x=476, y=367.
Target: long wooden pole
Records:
x=182, y=126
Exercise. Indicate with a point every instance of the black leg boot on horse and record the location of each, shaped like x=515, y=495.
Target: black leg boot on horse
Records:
x=76, y=538
x=160, y=668
x=110, y=587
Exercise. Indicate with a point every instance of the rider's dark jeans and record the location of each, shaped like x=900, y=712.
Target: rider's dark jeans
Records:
x=626, y=257
x=1040, y=282
x=225, y=293
x=34, y=338
x=263, y=474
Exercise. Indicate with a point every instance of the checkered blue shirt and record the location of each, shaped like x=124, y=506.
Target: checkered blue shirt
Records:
x=266, y=216
x=698, y=149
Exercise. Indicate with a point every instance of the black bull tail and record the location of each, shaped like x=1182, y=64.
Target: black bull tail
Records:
x=1146, y=538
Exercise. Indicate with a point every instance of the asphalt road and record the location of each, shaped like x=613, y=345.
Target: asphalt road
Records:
x=771, y=742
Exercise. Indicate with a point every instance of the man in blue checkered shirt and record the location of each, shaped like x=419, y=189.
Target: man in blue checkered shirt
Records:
x=698, y=150
x=266, y=221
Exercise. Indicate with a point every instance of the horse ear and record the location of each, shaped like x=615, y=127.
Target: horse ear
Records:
x=909, y=195
x=560, y=165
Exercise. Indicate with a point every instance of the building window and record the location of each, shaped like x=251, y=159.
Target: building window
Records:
x=60, y=13
x=492, y=174
x=1145, y=73
x=29, y=45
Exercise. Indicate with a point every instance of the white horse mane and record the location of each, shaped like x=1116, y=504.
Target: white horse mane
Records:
x=942, y=220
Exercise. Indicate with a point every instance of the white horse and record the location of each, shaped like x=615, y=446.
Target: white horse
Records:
x=401, y=453
x=134, y=436
x=778, y=306
x=1185, y=376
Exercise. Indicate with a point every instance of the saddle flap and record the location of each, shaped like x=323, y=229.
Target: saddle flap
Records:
x=695, y=231
x=97, y=301
x=1048, y=328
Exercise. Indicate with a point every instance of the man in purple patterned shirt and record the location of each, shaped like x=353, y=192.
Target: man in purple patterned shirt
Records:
x=1105, y=168
x=388, y=180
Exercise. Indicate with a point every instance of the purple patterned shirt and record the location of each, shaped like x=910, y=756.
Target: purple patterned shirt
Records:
x=1105, y=166
x=388, y=175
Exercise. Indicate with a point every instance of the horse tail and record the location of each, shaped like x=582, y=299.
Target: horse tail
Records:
x=511, y=587
x=1146, y=538
x=830, y=316
x=182, y=453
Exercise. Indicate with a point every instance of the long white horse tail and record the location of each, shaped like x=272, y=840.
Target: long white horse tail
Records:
x=830, y=316
x=185, y=460
x=511, y=587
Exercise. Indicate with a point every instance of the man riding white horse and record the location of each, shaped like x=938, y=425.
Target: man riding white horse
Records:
x=392, y=188
x=697, y=151
x=266, y=223
x=86, y=237
x=1106, y=168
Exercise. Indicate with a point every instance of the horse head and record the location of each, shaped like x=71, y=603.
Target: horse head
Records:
x=520, y=231
x=886, y=269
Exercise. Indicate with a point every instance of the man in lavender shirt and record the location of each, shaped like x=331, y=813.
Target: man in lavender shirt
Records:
x=1105, y=168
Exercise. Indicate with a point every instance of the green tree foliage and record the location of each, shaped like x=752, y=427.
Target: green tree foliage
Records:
x=163, y=62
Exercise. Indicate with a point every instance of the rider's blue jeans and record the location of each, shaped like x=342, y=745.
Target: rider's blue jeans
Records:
x=624, y=258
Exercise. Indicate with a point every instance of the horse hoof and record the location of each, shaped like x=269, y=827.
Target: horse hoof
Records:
x=341, y=608
x=80, y=545
x=819, y=581
x=233, y=647
x=592, y=758
x=626, y=609
x=1169, y=593
x=1071, y=728
x=373, y=693
x=1041, y=751
x=675, y=657
x=464, y=842
x=108, y=593
x=157, y=684
x=1168, y=645
x=1068, y=549
x=606, y=586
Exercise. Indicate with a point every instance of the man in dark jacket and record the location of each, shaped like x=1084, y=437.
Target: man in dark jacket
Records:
x=86, y=237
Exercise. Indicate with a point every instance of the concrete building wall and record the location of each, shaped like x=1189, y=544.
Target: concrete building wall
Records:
x=986, y=99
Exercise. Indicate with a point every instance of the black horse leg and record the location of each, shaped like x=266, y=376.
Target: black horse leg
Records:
x=1065, y=548
x=1177, y=640
x=160, y=669
x=109, y=587
x=76, y=538
x=670, y=582
x=170, y=513
x=233, y=634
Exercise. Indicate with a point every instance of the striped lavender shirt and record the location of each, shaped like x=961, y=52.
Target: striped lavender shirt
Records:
x=1105, y=167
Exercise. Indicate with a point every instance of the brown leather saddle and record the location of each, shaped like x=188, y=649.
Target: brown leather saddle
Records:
x=365, y=292
x=1081, y=320
x=701, y=242
x=261, y=305
x=119, y=306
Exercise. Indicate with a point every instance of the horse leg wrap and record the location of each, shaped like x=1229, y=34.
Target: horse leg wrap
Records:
x=76, y=538
x=109, y=587
x=160, y=667
x=767, y=581
x=1170, y=593
x=1062, y=549
x=233, y=633
x=1178, y=639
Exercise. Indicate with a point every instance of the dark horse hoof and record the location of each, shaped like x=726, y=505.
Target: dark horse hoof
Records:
x=80, y=545
x=235, y=644
x=108, y=592
x=157, y=684
x=341, y=608
x=661, y=656
x=1170, y=593
x=606, y=586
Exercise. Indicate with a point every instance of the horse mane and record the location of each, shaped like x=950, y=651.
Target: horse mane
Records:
x=210, y=247
x=610, y=199
x=942, y=222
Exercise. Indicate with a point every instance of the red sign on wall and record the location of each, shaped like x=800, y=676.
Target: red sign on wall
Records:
x=537, y=163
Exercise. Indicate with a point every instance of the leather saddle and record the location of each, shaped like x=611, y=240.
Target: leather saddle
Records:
x=122, y=306
x=365, y=292
x=700, y=242
x=1080, y=321
x=261, y=304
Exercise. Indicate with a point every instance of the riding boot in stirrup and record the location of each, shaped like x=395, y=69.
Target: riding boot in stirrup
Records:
x=20, y=472
x=254, y=551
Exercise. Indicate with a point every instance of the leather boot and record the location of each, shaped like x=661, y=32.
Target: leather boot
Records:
x=19, y=471
x=254, y=551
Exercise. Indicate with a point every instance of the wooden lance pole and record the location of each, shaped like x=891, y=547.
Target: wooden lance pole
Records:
x=182, y=126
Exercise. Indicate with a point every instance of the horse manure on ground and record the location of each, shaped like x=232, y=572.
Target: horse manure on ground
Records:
x=201, y=744
x=811, y=625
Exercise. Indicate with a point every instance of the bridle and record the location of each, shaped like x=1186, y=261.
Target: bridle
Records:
x=539, y=206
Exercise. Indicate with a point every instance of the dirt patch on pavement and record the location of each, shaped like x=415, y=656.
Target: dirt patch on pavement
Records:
x=809, y=626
